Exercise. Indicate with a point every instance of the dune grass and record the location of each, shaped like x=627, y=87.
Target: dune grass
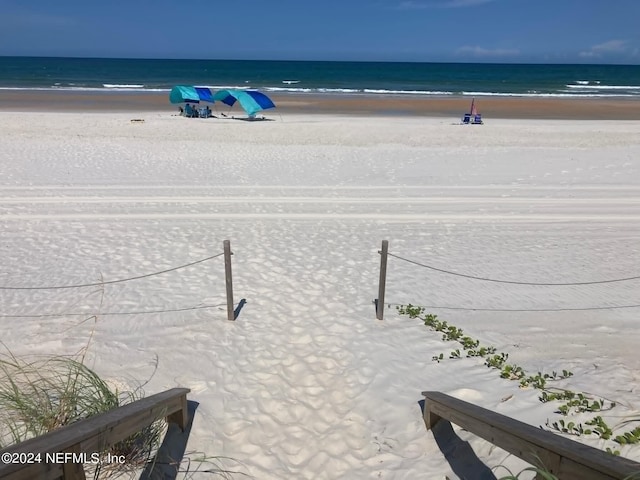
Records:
x=41, y=394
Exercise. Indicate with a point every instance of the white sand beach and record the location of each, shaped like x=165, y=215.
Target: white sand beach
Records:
x=307, y=383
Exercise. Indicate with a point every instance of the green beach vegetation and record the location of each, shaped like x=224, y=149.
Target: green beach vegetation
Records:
x=569, y=402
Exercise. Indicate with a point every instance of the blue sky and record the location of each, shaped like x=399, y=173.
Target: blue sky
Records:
x=503, y=31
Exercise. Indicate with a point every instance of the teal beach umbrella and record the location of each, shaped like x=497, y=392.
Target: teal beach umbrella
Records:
x=183, y=93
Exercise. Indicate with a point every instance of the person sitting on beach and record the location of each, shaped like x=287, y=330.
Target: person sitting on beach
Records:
x=181, y=110
x=207, y=112
x=189, y=111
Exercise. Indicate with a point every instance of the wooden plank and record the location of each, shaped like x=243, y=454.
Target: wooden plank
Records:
x=501, y=425
x=562, y=456
x=93, y=434
x=538, y=446
x=110, y=434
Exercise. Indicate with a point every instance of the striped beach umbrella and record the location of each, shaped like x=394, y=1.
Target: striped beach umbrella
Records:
x=251, y=101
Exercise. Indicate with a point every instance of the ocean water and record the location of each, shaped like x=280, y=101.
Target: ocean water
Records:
x=367, y=78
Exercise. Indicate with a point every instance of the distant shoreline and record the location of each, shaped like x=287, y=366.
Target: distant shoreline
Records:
x=378, y=105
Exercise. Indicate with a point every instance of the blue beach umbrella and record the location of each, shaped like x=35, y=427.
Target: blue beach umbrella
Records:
x=204, y=94
x=251, y=101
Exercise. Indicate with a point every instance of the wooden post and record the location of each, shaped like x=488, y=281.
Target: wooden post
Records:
x=73, y=470
x=430, y=418
x=383, y=279
x=181, y=417
x=228, y=281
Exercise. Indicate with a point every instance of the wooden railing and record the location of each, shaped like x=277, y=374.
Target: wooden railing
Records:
x=51, y=456
x=566, y=459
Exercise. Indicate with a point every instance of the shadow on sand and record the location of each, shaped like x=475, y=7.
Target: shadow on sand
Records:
x=238, y=309
x=458, y=453
x=166, y=464
x=253, y=119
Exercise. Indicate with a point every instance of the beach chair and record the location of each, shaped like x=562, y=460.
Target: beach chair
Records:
x=477, y=119
x=467, y=118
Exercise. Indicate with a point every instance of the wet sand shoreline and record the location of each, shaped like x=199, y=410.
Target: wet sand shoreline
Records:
x=387, y=105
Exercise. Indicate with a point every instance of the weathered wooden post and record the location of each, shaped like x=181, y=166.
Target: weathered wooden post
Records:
x=383, y=279
x=228, y=280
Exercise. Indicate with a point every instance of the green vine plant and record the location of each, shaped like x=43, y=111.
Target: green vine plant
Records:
x=571, y=402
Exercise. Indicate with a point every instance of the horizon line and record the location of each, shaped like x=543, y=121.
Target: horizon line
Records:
x=469, y=62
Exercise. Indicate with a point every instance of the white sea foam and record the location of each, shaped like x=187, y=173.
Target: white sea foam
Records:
x=406, y=92
x=81, y=89
x=124, y=86
x=288, y=89
x=570, y=91
x=338, y=90
x=605, y=87
x=563, y=94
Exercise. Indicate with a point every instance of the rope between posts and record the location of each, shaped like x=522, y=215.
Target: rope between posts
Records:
x=511, y=281
x=613, y=307
x=104, y=314
x=109, y=282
